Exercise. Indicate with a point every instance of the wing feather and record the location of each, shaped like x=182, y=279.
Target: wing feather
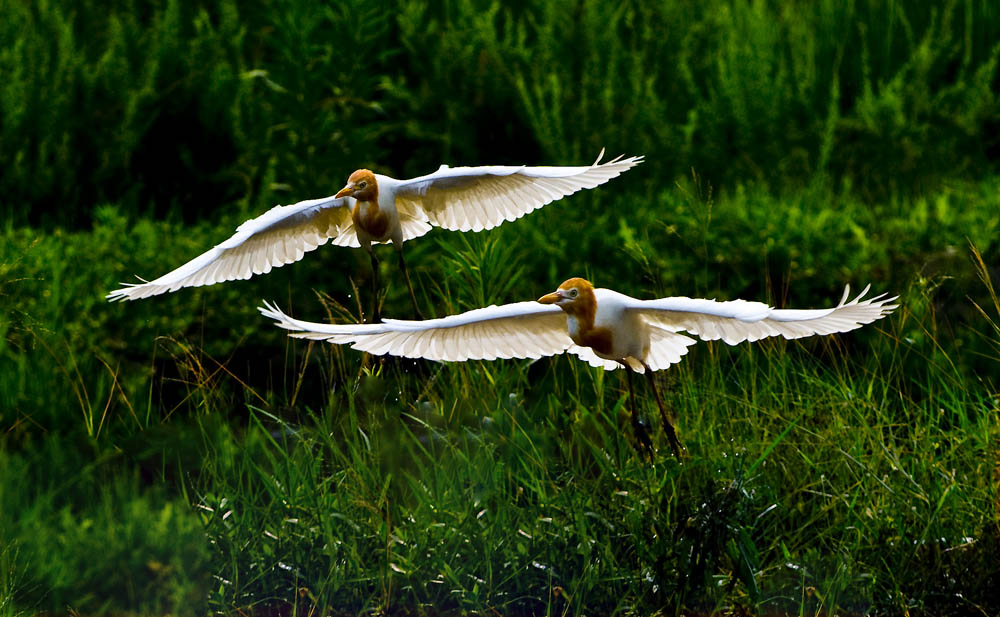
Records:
x=478, y=198
x=474, y=341
x=666, y=347
x=486, y=333
x=412, y=220
x=281, y=235
x=739, y=320
x=448, y=345
x=502, y=344
x=587, y=355
x=418, y=346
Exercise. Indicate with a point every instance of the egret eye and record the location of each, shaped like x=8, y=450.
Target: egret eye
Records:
x=362, y=184
x=574, y=292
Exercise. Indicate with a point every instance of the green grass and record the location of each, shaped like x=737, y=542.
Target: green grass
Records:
x=182, y=456
x=178, y=107
x=813, y=482
x=179, y=455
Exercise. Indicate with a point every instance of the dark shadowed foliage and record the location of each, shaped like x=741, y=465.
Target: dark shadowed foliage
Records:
x=175, y=106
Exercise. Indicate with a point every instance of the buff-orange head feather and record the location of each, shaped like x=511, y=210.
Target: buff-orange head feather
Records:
x=575, y=295
x=361, y=185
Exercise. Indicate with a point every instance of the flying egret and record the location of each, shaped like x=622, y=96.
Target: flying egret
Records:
x=600, y=326
x=373, y=208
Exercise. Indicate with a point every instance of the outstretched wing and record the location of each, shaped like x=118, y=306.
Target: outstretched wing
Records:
x=739, y=320
x=478, y=198
x=278, y=237
x=519, y=330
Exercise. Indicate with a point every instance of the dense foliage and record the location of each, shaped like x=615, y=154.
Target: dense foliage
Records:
x=180, y=455
x=176, y=105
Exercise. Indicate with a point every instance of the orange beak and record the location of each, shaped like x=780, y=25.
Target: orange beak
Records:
x=551, y=298
x=345, y=192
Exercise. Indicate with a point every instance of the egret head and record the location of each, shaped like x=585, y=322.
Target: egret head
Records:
x=572, y=296
x=361, y=186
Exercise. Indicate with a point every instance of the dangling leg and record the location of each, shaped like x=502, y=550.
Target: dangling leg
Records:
x=668, y=427
x=641, y=435
x=376, y=314
x=409, y=285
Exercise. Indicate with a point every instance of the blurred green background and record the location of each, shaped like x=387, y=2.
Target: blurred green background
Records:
x=791, y=148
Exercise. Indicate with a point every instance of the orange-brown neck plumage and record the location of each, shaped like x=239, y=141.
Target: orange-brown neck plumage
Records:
x=363, y=187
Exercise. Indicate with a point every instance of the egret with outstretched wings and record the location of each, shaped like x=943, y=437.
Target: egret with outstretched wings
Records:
x=373, y=208
x=603, y=327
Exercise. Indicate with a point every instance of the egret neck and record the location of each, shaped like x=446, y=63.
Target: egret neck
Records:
x=363, y=187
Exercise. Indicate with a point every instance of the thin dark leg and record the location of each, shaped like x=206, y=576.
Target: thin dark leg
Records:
x=668, y=427
x=376, y=314
x=409, y=285
x=641, y=435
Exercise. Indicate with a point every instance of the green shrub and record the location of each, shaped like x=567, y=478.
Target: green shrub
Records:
x=94, y=535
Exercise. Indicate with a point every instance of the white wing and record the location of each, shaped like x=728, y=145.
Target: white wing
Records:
x=478, y=198
x=278, y=237
x=519, y=330
x=738, y=320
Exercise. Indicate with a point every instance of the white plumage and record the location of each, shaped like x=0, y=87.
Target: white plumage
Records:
x=601, y=326
x=456, y=198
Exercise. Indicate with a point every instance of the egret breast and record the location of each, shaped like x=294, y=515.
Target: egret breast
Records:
x=601, y=340
x=623, y=334
x=371, y=220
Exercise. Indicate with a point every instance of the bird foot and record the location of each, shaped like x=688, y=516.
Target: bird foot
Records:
x=645, y=444
x=675, y=443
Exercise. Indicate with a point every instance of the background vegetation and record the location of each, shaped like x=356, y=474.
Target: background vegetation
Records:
x=179, y=455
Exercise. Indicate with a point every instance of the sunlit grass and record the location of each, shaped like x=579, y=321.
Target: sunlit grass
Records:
x=182, y=456
x=213, y=464
x=11, y=580
x=814, y=481
x=805, y=487
x=186, y=107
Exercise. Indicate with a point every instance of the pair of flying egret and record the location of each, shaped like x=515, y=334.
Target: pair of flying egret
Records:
x=600, y=326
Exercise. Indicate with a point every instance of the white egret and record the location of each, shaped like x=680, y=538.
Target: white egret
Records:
x=600, y=326
x=373, y=209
